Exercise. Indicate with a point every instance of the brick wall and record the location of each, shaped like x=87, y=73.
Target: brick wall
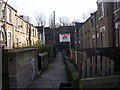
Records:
x=22, y=67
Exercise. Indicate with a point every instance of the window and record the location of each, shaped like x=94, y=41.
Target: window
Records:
x=9, y=40
x=33, y=32
x=27, y=28
x=9, y=18
x=17, y=39
x=22, y=26
x=0, y=10
x=103, y=37
x=118, y=36
x=101, y=5
x=16, y=23
x=118, y=5
x=0, y=37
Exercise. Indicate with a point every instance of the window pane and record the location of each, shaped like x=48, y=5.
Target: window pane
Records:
x=119, y=5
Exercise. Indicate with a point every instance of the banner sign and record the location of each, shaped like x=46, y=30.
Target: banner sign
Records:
x=64, y=37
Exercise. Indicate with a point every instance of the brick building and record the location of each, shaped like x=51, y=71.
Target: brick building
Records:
x=49, y=33
x=15, y=31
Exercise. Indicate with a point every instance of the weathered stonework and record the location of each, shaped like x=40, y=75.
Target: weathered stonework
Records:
x=22, y=67
x=44, y=60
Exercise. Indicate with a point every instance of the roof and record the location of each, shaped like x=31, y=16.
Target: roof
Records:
x=78, y=25
x=9, y=6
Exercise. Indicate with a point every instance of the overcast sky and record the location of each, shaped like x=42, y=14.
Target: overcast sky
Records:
x=72, y=9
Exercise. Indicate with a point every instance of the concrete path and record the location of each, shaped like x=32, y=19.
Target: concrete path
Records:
x=54, y=74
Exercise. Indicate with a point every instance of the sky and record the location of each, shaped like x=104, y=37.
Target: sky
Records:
x=73, y=9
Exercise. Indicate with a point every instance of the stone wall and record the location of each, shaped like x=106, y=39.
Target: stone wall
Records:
x=43, y=58
x=73, y=73
x=22, y=67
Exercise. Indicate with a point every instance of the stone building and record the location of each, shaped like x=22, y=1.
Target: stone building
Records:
x=15, y=31
x=116, y=21
x=96, y=39
x=98, y=30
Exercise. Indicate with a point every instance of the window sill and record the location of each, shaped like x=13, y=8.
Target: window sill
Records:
x=101, y=17
x=116, y=11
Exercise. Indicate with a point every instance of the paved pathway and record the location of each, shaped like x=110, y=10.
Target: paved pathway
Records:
x=54, y=74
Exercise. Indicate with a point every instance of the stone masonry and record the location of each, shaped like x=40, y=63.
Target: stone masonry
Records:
x=22, y=67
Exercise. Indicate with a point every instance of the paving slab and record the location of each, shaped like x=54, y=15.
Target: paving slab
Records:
x=55, y=73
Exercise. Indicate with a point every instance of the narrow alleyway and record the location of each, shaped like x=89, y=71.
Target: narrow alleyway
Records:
x=54, y=74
